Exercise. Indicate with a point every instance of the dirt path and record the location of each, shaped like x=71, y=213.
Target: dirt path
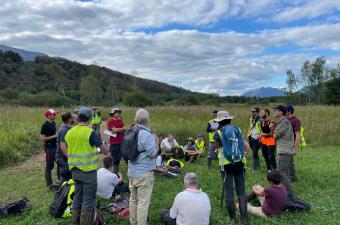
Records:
x=35, y=162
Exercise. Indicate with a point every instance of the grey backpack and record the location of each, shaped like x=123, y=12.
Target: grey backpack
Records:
x=129, y=147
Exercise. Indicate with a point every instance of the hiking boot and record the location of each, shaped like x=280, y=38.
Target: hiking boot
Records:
x=231, y=209
x=75, y=216
x=243, y=210
x=87, y=218
x=209, y=163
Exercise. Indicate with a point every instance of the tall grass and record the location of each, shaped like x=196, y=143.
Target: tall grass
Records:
x=20, y=126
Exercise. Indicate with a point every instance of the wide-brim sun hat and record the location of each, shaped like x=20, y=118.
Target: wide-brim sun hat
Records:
x=115, y=109
x=223, y=115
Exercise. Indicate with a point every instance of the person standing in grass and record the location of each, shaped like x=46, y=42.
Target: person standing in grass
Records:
x=284, y=136
x=254, y=133
x=141, y=171
x=61, y=155
x=48, y=134
x=272, y=199
x=96, y=119
x=232, y=170
x=267, y=140
x=82, y=143
x=116, y=126
x=296, y=124
x=211, y=128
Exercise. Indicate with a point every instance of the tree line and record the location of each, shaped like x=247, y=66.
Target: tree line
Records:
x=314, y=84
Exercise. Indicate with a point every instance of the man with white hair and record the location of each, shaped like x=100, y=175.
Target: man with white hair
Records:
x=141, y=170
x=191, y=206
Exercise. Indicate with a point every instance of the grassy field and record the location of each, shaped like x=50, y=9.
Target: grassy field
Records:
x=318, y=165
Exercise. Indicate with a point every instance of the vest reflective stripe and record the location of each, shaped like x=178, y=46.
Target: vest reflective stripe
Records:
x=67, y=212
x=96, y=119
x=81, y=154
x=211, y=134
x=89, y=163
x=221, y=159
x=200, y=146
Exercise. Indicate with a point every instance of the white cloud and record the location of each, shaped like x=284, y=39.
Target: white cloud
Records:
x=225, y=63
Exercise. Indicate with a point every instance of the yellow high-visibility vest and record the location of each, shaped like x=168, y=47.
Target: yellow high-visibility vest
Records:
x=81, y=154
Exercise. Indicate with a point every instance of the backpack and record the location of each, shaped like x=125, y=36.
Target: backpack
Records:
x=16, y=207
x=233, y=145
x=129, y=146
x=59, y=205
x=296, y=205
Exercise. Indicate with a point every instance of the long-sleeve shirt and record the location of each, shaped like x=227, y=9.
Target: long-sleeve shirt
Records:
x=284, y=136
x=146, y=161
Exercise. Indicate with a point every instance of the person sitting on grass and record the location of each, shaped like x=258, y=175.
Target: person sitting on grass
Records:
x=161, y=167
x=191, y=206
x=169, y=144
x=110, y=185
x=191, y=151
x=272, y=199
x=200, y=144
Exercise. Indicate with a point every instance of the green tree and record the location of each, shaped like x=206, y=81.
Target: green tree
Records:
x=293, y=87
x=135, y=99
x=332, y=91
x=90, y=90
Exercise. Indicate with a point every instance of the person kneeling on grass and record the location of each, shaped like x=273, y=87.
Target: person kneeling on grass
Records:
x=272, y=199
x=109, y=184
x=191, y=151
x=161, y=167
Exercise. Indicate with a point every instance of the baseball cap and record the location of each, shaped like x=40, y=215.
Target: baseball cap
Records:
x=86, y=112
x=282, y=108
x=50, y=112
x=223, y=115
x=290, y=108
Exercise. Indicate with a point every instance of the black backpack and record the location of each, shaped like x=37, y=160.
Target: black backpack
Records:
x=129, y=146
x=16, y=207
x=296, y=205
x=59, y=204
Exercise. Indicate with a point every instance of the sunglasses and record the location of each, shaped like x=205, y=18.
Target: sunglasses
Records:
x=253, y=111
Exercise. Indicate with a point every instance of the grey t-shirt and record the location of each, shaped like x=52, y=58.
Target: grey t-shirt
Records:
x=61, y=139
x=191, y=207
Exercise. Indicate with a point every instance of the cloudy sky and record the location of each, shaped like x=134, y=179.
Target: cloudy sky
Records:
x=212, y=46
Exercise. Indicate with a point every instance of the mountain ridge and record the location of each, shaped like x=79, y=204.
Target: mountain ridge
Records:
x=25, y=54
x=264, y=92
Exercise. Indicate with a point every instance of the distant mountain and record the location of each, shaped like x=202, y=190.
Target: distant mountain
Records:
x=26, y=55
x=264, y=92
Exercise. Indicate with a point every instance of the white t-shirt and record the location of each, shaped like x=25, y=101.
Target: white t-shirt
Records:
x=166, y=145
x=191, y=207
x=160, y=162
x=106, y=182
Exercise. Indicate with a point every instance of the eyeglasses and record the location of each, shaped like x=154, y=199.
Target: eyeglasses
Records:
x=253, y=111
